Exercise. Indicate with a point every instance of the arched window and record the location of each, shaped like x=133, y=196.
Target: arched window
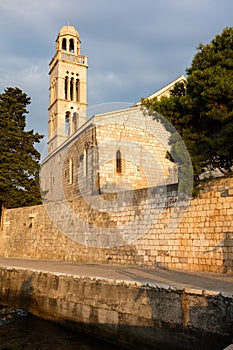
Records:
x=71, y=45
x=64, y=44
x=66, y=88
x=77, y=90
x=85, y=162
x=72, y=89
x=67, y=124
x=70, y=171
x=118, y=162
x=97, y=181
x=75, y=122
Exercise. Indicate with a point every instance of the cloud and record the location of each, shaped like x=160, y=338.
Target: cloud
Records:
x=134, y=47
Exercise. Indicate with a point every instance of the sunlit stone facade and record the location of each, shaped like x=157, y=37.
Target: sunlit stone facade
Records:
x=111, y=152
x=67, y=106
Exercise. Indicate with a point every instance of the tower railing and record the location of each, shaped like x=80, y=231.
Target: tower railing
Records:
x=73, y=58
x=69, y=57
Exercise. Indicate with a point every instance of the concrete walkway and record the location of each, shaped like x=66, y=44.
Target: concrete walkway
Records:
x=199, y=281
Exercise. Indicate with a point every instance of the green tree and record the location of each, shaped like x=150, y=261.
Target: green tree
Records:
x=19, y=160
x=202, y=109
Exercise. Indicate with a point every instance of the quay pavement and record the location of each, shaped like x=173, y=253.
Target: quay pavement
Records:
x=222, y=283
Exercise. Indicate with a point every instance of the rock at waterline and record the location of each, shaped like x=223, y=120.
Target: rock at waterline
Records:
x=8, y=314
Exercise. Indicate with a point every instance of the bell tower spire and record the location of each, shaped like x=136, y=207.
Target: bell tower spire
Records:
x=68, y=71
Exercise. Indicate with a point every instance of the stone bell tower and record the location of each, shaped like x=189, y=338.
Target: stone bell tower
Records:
x=68, y=80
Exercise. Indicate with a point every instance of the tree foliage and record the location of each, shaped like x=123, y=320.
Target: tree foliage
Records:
x=202, y=108
x=19, y=160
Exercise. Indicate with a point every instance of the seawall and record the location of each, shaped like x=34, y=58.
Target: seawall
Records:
x=139, y=315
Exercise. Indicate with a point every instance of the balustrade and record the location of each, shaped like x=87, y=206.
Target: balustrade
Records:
x=74, y=58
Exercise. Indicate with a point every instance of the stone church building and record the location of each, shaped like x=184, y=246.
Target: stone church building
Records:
x=108, y=153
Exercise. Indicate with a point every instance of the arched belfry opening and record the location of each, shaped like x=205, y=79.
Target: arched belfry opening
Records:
x=72, y=89
x=64, y=44
x=66, y=88
x=71, y=48
x=67, y=124
x=75, y=122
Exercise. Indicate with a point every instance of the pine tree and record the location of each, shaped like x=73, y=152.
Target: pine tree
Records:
x=19, y=160
x=210, y=87
x=202, y=109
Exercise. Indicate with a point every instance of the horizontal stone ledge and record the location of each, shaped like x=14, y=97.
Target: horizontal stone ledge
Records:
x=113, y=281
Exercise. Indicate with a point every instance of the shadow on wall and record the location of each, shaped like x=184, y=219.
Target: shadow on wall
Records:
x=177, y=320
x=227, y=251
x=141, y=317
x=25, y=295
x=192, y=321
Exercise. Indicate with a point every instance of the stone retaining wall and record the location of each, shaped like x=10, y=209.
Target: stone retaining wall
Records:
x=201, y=239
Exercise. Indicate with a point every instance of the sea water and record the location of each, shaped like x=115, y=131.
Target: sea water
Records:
x=22, y=331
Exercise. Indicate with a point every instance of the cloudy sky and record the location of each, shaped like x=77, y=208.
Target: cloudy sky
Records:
x=134, y=47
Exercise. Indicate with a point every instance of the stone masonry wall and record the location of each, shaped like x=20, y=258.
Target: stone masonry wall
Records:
x=150, y=316
x=201, y=239
x=143, y=143
x=86, y=162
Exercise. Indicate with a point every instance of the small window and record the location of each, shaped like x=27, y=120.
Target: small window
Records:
x=70, y=171
x=66, y=88
x=75, y=122
x=118, y=162
x=64, y=44
x=97, y=181
x=77, y=90
x=67, y=124
x=85, y=162
x=71, y=45
x=72, y=89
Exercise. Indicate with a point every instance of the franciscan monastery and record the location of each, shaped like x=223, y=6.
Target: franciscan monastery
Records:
x=110, y=152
